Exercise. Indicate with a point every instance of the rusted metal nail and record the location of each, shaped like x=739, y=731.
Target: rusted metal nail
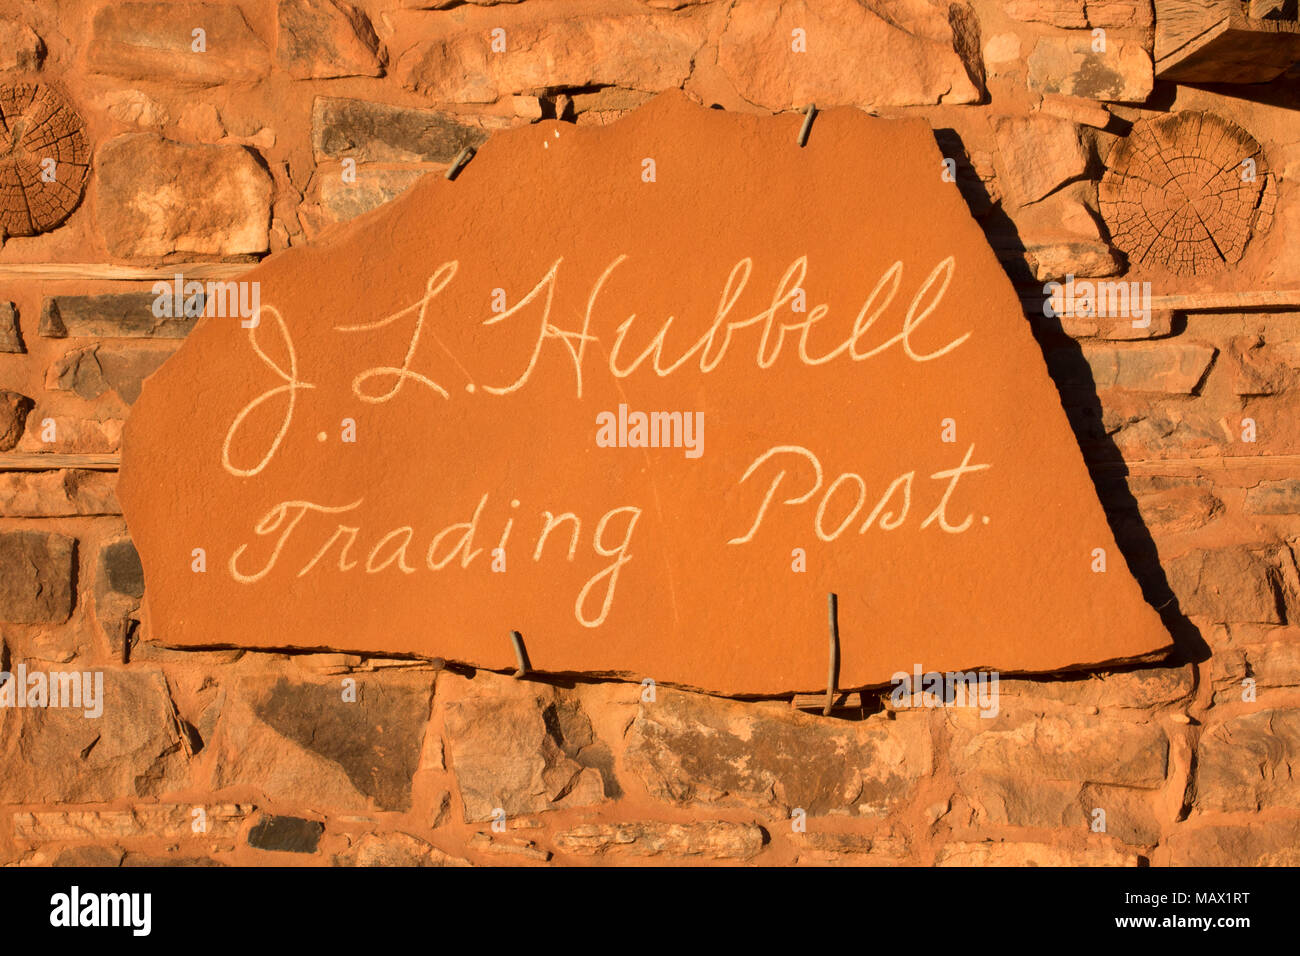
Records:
x=833, y=668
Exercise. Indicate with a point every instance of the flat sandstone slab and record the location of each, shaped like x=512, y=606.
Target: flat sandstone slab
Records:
x=509, y=351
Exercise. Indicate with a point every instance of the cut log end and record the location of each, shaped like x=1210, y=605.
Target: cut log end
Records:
x=44, y=159
x=1184, y=192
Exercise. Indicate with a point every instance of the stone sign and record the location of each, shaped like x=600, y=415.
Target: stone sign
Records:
x=646, y=394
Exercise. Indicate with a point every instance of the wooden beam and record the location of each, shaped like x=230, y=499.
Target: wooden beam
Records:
x=97, y=271
x=1285, y=465
x=1259, y=9
x=1228, y=301
x=1279, y=299
x=44, y=461
x=1212, y=41
x=1179, y=22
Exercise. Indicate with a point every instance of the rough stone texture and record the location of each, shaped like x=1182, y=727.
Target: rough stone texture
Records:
x=169, y=821
x=155, y=41
x=1059, y=232
x=1177, y=507
x=73, y=436
x=373, y=187
x=515, y=753
x=851, y=849
x=693, y=749
x=1065, y=747
x=1137, y=689
x=1082, y=13
x=167, y=859
x=1260, y=368
x=1260, y=843
x=1133, y=817
x=286, y=834
x=119, y=569
x=395, y=849
x=1280, y=417
x=1270, y=664
x=11, y=336
x=147, y=206
x=115, y=315
x=1038, y=153
x=519, y=849
x=57, y=755
x=1094, y=853
x=1250, y=763
x=1068, y=65
x=49, y=494
x=119, y=584
x=1228, y=584
x=635, y=51
x=201, y=122
x=1055, y=259
x=1149, y=368
x=96, y=369
x=85, y=856
x=1281, y=497
x=1008, y=800
x=379, y=133
x=299, y=741
x=904, y=56
x=1148, y=432
x=713, y=839
x=1002, y=52
x=320, y=39
x=1117, y=328
x=1001, y=801
x=36, y=571
x=20, y=47
x=13, y=417
x=1079, y=111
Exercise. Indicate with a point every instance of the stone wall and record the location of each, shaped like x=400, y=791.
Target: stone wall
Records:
x=204, y=162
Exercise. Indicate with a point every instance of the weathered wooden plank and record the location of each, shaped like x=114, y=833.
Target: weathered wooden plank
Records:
x=42, y=461
x=1228, y=301
x=1279, y=299
x=1211, y=41
x=1283, y=465
x=1259, y=9
x=1179, y=22
x=108, y=272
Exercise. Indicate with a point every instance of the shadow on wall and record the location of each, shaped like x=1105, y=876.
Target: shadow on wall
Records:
x=1283, y=93
x=1077, y=388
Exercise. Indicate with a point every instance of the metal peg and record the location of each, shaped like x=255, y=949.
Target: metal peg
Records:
x=521, y=655
x=808, y=115
x=463, y=157
x=833, y=668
